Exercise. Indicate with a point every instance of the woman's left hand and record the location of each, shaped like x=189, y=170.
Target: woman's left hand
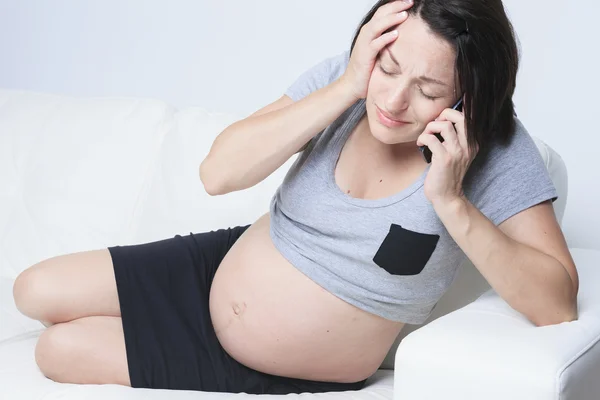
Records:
x=450, y=160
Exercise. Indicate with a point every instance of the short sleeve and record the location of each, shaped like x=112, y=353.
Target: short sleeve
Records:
x=319, y=76
x=512, y=179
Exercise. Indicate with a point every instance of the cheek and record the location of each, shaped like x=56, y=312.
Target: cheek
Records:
x=374, y=86
x=425, y=113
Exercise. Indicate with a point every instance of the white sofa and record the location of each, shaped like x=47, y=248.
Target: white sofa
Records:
x=85, y=173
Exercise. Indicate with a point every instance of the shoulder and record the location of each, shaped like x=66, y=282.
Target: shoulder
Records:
x=518, y=148
x=509, y=177
x=319, y=75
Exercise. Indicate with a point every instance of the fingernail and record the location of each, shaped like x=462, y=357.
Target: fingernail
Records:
x=408, y=1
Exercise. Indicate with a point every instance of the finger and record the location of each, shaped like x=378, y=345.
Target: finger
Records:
x=435, y=146
x=393, y=7
x=451, y=139
x=380, y=40
x=386, y=23
x=444, y=128
x=451, y=115
x=458, y=119
x=378, y=44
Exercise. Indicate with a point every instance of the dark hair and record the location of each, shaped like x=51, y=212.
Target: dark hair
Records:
x=487, y=60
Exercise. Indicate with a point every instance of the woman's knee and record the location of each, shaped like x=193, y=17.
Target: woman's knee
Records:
x=68, y=287
x=31, y=291
x=89, y=350
x=54, y=352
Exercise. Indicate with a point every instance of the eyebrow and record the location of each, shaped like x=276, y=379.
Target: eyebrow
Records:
x=423, y=78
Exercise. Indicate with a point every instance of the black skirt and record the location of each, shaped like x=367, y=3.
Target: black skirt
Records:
x=163, y=290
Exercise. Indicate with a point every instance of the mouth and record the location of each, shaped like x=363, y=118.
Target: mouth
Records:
x=387, y=121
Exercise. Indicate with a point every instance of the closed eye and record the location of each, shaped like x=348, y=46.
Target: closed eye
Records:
x=427, y=96
x=381, y=68
x=379, y=64
x=384, y=71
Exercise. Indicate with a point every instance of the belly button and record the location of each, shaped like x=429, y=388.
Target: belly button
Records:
x=239, y=309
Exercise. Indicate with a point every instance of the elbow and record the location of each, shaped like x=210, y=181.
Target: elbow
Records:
x=570, y=314
x=562, y=306
x=555, y=321
x=212, y=186
x=213, y=190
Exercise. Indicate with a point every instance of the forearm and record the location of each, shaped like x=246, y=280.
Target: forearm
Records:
x=532, y=282
x=251, y=149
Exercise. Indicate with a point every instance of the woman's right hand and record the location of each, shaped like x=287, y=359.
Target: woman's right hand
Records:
x=370, y=41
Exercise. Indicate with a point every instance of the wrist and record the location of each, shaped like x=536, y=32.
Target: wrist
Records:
x=346, y=89
x=452, y=204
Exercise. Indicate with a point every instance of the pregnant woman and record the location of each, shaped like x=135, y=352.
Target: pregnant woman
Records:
x=363, y=236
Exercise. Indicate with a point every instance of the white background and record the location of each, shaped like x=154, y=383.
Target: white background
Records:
x=237, y=56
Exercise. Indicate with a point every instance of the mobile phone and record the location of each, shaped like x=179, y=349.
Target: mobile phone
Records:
x=424, y=149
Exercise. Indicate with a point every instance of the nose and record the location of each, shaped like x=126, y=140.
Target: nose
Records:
x=398, y=99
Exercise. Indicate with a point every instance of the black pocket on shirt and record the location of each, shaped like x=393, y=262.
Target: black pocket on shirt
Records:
x=405, y=252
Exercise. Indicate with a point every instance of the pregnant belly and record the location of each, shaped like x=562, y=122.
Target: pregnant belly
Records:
x=271, y=317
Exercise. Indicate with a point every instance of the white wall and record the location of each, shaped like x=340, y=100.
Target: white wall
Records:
x=234, y=55
x=237, y=56
x=557, y=99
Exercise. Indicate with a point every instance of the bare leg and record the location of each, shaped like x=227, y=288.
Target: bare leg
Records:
x=68, y=287
x=89, y=350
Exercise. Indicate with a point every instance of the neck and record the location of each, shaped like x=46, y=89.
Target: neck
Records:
x=398, y=154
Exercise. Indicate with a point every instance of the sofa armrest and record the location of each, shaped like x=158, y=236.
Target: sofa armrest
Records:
x=487, y=350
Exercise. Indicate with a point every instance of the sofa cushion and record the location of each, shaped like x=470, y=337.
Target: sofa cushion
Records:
x=176, y=202
x=72, y=171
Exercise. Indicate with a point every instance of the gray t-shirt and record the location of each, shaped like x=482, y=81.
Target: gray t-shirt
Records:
x=391, y=256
